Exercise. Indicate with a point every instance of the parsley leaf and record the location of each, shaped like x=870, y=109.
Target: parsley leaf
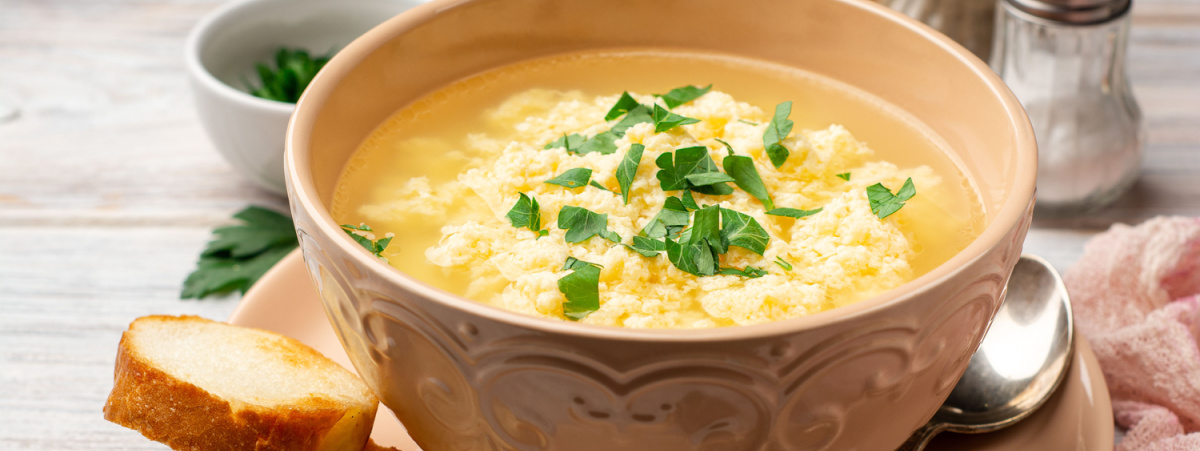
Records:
x=635, y=116
x=742, y=230
x=674, y=169
x=604, y=142
x=623, y=106
x=748, y=122
x=707, y=178
x=527, y=213
x=572, y=178
x=706, y=226
x=665, y=120
x=241, y=254
x=581, y=288
x=582, y=224
x=697, y=259
x=294, y=70
x=750, y=272
x=570, y=143
x=883, y=203
x=648, y=247
x=844, y=176
x=597, y=185
x=745, y=175
x=670, y=220
x=728, y=148
x=682, y=95
x=783, y=264
x=689, y=201
x=627, y=170
x=777, y=130
x=375, y=247
x=793, y=212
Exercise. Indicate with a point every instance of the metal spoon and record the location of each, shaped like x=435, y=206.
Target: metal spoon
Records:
x=1020, y=363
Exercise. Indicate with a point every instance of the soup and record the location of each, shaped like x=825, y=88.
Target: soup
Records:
x=564, y=188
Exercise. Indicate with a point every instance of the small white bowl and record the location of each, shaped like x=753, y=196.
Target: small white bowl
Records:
x=221, y=53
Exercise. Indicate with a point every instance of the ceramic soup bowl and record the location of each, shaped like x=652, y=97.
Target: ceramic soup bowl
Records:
x=465, y=376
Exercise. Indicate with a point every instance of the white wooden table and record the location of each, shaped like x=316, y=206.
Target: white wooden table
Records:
x=109, y=189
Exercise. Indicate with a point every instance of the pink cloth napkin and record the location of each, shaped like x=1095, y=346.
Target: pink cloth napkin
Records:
x=1136, y=297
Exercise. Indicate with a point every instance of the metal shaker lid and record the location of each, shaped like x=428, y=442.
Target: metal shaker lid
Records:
x=1073, y=11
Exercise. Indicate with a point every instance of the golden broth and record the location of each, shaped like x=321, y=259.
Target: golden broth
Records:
x=428, y=138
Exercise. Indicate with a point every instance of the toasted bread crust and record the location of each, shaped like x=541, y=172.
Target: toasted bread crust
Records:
x=186, y=417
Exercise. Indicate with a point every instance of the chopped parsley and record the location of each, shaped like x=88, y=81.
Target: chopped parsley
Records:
x=706, y=227
x=648, y=247
x=604, y=143
x=375, y=247
x=665, y=120
x=682, y=95
x=240, y=254
x=636, y=115
x=674, y=169
x=697, y=259
x=623, y=106
x=728, y=148
x=581, y=288
x=294, y=70
x=689, y=201
x=748, y=122
x=742, y=230
x=527, y=213
x=750, y=272
x=793, y=212
x=777, y=130
x=572, y=178
x=745, y=175
x=783, y=264
x=669, y=221
x=884, y=203
x=570, y=143
x=844, y=176
x=582, y=224
x=627, y=170
x=595, y=184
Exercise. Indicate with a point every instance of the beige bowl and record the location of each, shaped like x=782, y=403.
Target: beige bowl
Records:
x=463, y=376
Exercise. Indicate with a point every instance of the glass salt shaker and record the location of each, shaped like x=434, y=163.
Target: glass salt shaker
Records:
x=968, y=22
x=1065, y=61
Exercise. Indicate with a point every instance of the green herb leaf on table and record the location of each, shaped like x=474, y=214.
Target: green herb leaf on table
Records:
x=582, y=224
x=375, y=247
x=783, y=264
x=777, y=130
x=241, y=254
x=750, y=272
x=648, y=247
x=572, y=178
x=742, y=230
x=627, y=170
x=570, y=143
x=665, y=120
x=624, y=104
x=669, y=221
x=527, y=213
x=294, y=70
x=793, y=212
x=581, y=288
x=684, y=94
x=745, y=175
x=597, y=185
x=884, y=203
x=844, y=176
x=636, y=115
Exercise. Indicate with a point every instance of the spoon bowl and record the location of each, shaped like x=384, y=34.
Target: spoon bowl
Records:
x=1020, y=362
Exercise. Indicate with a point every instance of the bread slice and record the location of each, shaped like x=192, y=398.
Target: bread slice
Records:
x=197, y=384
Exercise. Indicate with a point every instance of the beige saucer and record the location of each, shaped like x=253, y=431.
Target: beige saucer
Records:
x=1079, y=416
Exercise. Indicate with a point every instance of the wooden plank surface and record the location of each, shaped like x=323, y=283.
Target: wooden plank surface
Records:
x=109, y=188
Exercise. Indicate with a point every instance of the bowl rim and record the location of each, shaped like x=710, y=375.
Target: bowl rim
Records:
x=303, y=196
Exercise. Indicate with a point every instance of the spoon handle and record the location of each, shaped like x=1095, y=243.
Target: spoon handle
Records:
x=921, y=437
